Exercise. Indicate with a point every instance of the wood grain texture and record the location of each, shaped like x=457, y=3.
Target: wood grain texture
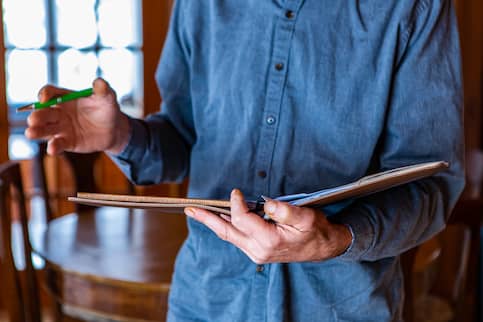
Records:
x=22, y=301
x=470, y=21
x=155, y=25
x=152, y=199
x=113, y=262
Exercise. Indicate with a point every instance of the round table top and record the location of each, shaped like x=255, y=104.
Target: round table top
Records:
x=127, y=245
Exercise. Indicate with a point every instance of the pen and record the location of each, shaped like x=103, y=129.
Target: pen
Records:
x=57, y=100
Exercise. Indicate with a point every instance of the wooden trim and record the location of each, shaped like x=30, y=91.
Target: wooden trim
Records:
x=470, y=25
x=155, y=25
x=92, y=279
x=4, y=128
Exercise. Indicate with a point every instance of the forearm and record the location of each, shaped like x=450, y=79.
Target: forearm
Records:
x=389, y=223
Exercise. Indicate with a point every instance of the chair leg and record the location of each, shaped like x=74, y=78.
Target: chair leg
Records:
x=58, y=314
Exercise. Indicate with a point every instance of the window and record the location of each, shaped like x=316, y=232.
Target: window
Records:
x=69, y=43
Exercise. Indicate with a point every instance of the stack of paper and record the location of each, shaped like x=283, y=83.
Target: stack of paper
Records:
x=364, y=186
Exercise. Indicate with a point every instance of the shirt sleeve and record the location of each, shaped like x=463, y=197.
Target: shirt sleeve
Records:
x=159, y=146
x=424, y=123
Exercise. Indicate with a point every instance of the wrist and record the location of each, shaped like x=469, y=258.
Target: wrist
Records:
x=343, y=239
x=122, y=134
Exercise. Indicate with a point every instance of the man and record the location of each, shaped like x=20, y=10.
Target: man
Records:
x=280, y=97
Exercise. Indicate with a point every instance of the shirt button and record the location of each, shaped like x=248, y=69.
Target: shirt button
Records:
x=260, y=268
x=270, y=120
x=262, y=174
x=289, y=14
x=279, y=66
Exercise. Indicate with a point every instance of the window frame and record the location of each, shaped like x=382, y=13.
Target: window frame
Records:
x=4, y=125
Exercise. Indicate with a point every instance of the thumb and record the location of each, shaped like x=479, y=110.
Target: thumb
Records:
x=285, y=214
x=101, y=87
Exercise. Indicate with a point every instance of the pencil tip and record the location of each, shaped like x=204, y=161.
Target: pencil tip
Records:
x=25, y=108
x=265, y=198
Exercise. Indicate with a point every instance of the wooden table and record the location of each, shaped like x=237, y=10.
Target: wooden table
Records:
x=112, y=263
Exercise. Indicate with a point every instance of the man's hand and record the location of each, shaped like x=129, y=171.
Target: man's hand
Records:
x=87, y=124
x=296, y=235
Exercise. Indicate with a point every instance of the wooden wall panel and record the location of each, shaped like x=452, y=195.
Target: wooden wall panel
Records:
x=470, y=19
x=155, y=24
x=156, y=16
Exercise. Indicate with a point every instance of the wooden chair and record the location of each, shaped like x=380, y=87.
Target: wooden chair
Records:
x=469, y=212
x=82, y=170
x=457, y=279
x=22, y=302
x=407, y=262
x=450, y=283
x=82, y=167
x=436, y=275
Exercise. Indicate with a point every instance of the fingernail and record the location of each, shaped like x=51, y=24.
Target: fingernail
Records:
x=235, y=192
x=189, y=212
x=270, y=207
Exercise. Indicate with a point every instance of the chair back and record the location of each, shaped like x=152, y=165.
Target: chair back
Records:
x=22, y=303
x=407, y=263
x=83, y=171
x=474, y=174
x=451, y=280
x=40, y=178
x=82, y=168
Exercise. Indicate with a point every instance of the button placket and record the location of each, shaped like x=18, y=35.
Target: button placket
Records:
x=284, y=30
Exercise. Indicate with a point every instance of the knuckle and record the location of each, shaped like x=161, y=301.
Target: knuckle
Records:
x=284, y=211
x=261, y=261
x=236, y=220
x=224, y=234
x=264, y=256
x=310, y=218
x=273, y=243
x=46, y=91
x=255, y=259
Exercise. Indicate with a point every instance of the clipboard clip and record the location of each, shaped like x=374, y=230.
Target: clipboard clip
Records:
x=256, y=206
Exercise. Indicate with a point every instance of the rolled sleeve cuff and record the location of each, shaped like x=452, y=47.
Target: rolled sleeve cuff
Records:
x=362, y=231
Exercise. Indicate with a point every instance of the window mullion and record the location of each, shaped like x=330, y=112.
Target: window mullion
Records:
x=52, y=49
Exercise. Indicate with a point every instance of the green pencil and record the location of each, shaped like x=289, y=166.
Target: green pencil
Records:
x=61, y=99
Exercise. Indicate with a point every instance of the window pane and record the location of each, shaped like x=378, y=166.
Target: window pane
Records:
x=26, y=74
x=76, y=23
x=76, y=70
x=20, y=148
x=119, y=23
x=122, y=68
x=24, y=28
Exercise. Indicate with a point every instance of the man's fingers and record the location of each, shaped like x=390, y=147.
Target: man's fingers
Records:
x=57, y=145
x=46, y=131
x=247, y=222
x=286, y=214
x=222, y=228
x=44, y=116
x=48, y=92
x=238, y=204
x=101, y=87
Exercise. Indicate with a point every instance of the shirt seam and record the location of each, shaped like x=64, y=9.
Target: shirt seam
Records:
x=409, y=26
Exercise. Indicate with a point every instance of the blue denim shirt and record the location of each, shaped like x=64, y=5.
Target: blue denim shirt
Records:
x=279, y=97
